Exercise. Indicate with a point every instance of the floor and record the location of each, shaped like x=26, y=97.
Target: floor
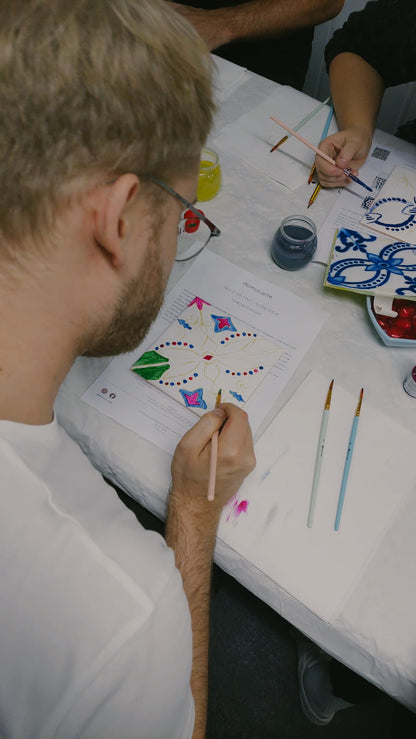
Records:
x=253, y=680
x=253, y=692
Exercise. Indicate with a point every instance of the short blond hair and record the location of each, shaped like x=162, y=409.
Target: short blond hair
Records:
x=91, y=86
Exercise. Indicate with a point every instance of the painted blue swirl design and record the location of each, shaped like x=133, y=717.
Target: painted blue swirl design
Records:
x=353, y=240
x=405, y=216
x=381, y=265
x=411, y=286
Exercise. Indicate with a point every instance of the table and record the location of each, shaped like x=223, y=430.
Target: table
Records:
x=375, y=634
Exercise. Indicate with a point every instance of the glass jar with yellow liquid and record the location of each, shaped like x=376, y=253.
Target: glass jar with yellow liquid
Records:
x=209, y=180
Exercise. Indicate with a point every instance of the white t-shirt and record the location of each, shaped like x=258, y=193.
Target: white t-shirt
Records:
x=95, y=631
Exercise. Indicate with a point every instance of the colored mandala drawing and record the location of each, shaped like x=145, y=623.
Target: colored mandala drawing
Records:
x=203, y=350
x=372, y=264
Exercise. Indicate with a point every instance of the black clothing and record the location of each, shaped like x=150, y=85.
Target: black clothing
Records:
x=384, y=34
x=283, y=59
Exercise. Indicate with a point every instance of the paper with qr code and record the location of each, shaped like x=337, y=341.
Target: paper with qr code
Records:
x=354, y=202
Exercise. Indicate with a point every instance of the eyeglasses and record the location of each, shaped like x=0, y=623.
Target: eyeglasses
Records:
x=194, y=228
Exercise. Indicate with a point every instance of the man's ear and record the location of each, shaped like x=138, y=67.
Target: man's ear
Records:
x=110, y=216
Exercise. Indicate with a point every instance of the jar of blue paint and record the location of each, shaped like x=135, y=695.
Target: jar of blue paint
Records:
x=294, y=242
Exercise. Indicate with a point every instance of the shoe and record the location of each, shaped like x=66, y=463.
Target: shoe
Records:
x=317, y=700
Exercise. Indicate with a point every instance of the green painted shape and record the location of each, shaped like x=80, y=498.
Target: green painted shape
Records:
x=151, y=365
x=151, y=357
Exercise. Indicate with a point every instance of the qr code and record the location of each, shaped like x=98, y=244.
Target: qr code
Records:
x=367, y=202
x=378, y=182
x=380, y=153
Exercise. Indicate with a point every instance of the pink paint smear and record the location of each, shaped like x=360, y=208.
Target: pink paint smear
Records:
x=237, y=508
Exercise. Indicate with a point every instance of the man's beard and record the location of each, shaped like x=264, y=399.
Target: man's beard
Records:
x=134, y=313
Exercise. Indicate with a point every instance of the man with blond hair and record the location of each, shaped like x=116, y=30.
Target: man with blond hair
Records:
x=103, y=626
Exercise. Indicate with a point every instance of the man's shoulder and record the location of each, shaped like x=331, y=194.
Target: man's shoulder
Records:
x=63, y=498
x=76, y=620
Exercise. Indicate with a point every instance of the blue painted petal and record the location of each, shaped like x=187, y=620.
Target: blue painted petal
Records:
x=193, y=398
x=183, y=323
x=237, y=396
x=223, y=323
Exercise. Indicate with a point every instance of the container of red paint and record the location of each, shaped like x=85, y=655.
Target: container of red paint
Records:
x=395, y=330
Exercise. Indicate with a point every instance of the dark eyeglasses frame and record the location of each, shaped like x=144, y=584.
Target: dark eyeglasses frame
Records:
x=215, y=231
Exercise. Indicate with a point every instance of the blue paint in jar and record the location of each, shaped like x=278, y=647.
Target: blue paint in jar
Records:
x=294, y=242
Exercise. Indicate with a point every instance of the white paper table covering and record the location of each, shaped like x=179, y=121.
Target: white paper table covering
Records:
x=375, y=633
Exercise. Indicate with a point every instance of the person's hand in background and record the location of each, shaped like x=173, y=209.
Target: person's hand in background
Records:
x=349, y=148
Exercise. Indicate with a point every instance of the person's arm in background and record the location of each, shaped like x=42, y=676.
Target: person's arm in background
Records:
x=374, y=49
x=257, y=18
x=192, y=523
x=357, y=91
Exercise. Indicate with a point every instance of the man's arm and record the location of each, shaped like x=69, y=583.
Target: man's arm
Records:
x=257, y=18
x=192, y=523
x=357, y=91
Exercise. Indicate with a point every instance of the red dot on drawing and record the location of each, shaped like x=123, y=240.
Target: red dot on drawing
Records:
x=255, y=370
x=166, y=383
x=173, y=343
x=190, y=378
x=233, y=373
x=237, y=334
x=178, y=383
x=226, y=338
x=208, y=357
x=161, y=346
x=244, y=373
x=185, y=343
